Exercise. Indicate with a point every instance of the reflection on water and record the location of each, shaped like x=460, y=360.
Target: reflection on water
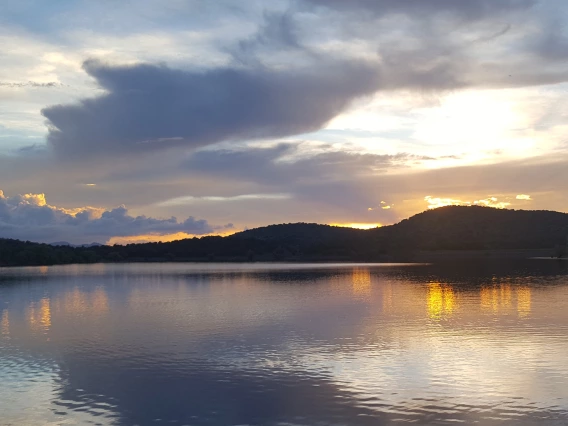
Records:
x=281, y=344
x=361, y=279
x=499, y=299
x=44, y=314
x=39, y=315
x=78, y=302
x=441, y=300
x=5, y=323
x=524, y=301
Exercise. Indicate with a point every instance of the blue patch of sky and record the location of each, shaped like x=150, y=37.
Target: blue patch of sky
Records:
x=11, y=141
x=53, y=18
x=37, y=16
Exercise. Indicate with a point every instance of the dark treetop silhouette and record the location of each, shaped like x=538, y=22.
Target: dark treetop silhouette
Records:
x=453, y=228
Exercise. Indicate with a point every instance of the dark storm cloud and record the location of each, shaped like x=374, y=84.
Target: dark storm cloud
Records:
x=150, y=107
x=308, y=82
x=465, y=9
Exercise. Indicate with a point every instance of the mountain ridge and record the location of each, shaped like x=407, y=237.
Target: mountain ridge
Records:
x=451, y=228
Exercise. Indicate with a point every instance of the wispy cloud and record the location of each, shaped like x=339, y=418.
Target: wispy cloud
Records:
x=191, y=199
x=524, y=197
x=49, y=84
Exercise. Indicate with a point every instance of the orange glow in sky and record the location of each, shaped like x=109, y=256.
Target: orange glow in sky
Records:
x=357, y=225
x=153, y=238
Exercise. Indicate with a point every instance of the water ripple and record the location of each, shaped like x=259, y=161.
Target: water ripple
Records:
x=358, y=345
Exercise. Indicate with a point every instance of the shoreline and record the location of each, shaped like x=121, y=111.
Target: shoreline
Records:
x=424, y=256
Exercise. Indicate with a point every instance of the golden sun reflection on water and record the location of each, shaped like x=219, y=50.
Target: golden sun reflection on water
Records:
x=80, y=302
x=32, y=321
x=524, y=301
x=499, y=299
x=387, y=297
x=5, y=323
x=75, y=302
x=361, y=281
x=489, y=299
x=45, y=313
x=99, y=301
x=441, y=300
x=39, y=315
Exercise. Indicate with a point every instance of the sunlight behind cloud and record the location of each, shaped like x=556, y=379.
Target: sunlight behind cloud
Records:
x=436, y=202
x=492, y=202
x=357, y=225
x=158, y=238
x=462, y=127
x=481, y=119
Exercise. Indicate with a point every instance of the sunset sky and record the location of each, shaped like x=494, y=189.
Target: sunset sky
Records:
x=157, y=120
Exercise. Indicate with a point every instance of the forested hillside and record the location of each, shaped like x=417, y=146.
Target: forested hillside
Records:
x=448, y=228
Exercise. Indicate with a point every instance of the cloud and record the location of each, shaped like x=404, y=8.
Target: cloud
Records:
x=524, y=197
x=492, y=202
x=408, y=53
x=294, y=74
x=551, y=44
x=30, y=217
x=444, y=45
x=329, y=181
x=149, y=107
x=50, y=84
x=277, y=34
x=191, y=199
x=466, y=10
x=437, y=202
x=288, y=163
x=323, y=185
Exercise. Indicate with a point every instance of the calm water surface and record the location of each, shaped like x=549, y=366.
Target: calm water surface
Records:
x=483, y=343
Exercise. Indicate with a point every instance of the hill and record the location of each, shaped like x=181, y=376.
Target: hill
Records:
x=477, y=228
x=455, y=228
x=298, y=232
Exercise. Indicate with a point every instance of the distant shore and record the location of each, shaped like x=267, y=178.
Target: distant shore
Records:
x=439, y=255
x=434, y=256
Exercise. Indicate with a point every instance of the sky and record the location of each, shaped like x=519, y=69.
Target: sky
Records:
x=157, y=120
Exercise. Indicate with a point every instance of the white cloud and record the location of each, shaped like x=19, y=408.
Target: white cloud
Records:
x=436, y=202
x=524, y=197
x=477, y=97
x=30, y=217
x=191, y=200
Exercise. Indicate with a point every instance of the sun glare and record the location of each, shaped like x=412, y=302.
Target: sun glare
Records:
x=357, y=225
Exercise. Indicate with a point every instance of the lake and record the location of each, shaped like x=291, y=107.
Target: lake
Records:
x=482, y=342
